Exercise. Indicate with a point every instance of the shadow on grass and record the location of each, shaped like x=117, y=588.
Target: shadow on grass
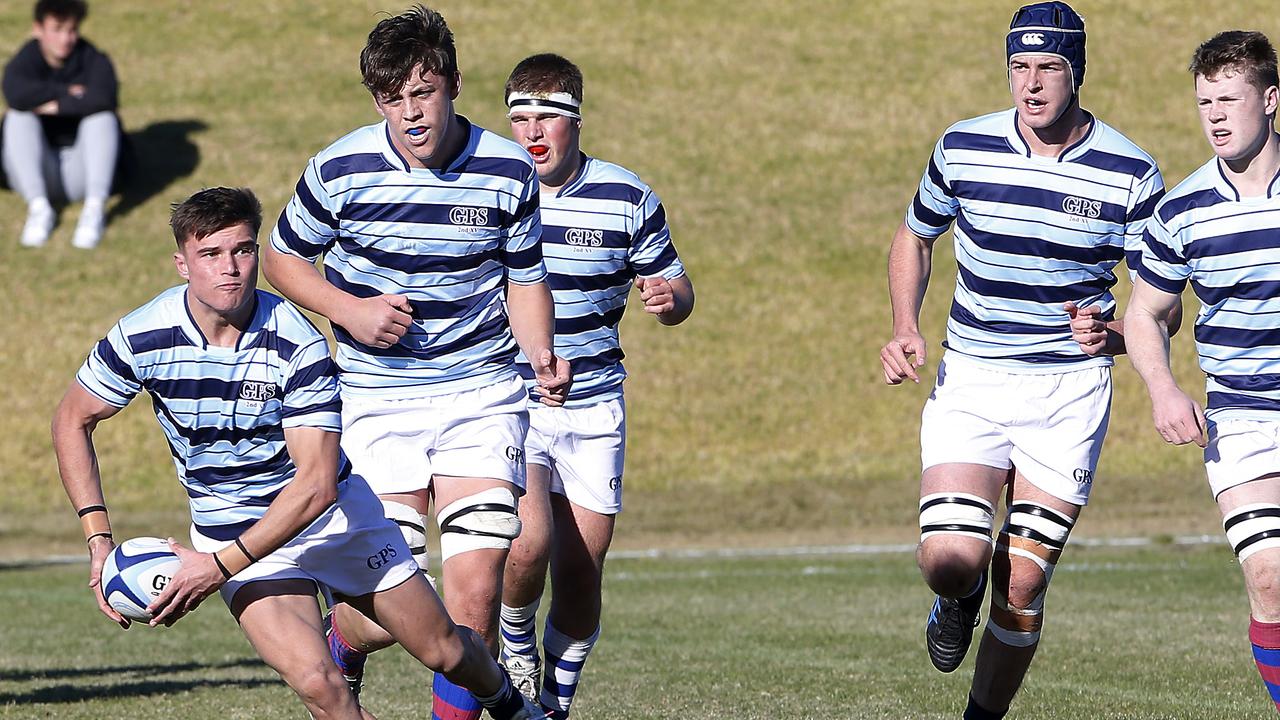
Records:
x=163, y=152
x=100, y=683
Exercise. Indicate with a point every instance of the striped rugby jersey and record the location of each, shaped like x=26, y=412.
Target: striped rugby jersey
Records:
x=223, y=410
x=1032, y=233
x=447, y=240
x=1229, y=248
x=599, y=233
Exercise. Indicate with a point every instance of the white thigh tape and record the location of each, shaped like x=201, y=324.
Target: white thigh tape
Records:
x=485, y=520
x=1251, y=528
x=955, y=514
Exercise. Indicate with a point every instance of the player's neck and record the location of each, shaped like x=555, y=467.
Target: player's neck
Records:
x=1066, y=131
x=1252, y=174
x=219, y=329
x=565, y=174
x=455, y=138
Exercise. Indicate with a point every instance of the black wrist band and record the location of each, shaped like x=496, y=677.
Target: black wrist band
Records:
x=246, y=552
x=226, y=575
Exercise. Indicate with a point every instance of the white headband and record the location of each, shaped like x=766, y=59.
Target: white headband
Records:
x=558, y=103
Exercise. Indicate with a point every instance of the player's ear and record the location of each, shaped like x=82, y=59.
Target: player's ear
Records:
x=180, y=262
x=455, y=88
x=1270, y=99
x=378, y=106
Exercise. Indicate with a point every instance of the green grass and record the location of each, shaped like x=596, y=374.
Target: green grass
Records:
x=1130, y=634
x=785, y=139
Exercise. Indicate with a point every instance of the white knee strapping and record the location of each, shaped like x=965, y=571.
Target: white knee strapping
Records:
x=485, y=520
x=1033, y=532
x=955, y=514
x=413, y=526
x=1253, y=527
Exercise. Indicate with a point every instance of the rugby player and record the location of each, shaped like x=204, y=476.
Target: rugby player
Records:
x=1044, y=200
x=603, y=230
x=426, y=223
x=247, y=395
x=1220, y=230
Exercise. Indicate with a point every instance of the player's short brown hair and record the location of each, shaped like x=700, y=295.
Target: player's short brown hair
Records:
x=398, y=44
x=214, y=209
x=1234, y=51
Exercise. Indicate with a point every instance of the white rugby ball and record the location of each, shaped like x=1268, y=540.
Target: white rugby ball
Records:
x=135, y=573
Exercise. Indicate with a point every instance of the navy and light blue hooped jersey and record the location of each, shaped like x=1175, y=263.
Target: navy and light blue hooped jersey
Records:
x=1229, y=248
x=223, y=410
x=448, y=240
x=599, y=233
x=1032, y=233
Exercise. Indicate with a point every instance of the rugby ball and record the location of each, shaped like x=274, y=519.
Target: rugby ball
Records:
x=135, y=573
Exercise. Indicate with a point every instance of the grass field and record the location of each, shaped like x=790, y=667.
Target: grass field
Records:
x=1155, y=633
x=785, y=139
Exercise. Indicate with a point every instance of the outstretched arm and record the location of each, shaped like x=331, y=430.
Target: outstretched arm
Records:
x=73, y=425
x=1178, y=418
x=312, y=490
x=910, y=260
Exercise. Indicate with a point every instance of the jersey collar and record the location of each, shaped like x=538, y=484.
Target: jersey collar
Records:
x=1073, y=152
x=397, y=160
x=1228, y=190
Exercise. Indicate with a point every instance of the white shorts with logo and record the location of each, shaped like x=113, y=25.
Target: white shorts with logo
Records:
x=398, y=445
x=583, y=447
x=352, y=549
x=1241, y=450
x=1050, y=426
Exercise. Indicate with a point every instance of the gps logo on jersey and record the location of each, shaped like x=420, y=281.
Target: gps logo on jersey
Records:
x=579, y=236
x=1083, y=476
x=257, y=391
x=1032, y=38
x=1082, y=207
x=469, y=216
x=376, y=561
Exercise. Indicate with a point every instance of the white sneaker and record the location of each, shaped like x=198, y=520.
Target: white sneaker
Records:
x=526, y=675
x=89, y=228
x=35, y=233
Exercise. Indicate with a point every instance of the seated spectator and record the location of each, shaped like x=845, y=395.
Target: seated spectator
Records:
x=61, y=136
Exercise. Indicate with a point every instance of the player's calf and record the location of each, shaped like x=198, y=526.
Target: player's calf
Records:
x=1253, y=531
x=1027, y=550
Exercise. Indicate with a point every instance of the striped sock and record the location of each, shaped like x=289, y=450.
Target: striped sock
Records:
x=349, y=660
x=1265, y=638
x=563, y=668
x=519, y=630
x=452, y=702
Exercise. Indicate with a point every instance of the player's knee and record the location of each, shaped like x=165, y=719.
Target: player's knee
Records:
x=1027, y=550
x=319, y=686
x=485, y=520
x=955, y=540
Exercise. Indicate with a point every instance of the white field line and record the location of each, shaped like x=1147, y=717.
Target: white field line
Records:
x=761, y=552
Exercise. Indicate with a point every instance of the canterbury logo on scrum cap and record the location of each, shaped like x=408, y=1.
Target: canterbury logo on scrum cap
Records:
x=1033, y=39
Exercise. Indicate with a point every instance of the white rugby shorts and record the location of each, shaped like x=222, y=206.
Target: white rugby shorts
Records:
x=1050, y=426
x=351, y=549
x=398, y=445
x=583, y=447
x=1239, y=451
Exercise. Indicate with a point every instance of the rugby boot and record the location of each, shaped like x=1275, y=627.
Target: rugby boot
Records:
x=526, y=675
x=950, y=627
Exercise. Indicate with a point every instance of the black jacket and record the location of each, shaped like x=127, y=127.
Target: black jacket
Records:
x=29, y=82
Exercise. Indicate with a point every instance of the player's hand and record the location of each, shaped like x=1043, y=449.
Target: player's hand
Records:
x=656, y=294
x=76, y=90
x=1088, y=328
x=198, y=578
x=378, y=321
x=897, y=361
x=99, y=548
x=1178, y=418
x=46, y=108
x=553, y=377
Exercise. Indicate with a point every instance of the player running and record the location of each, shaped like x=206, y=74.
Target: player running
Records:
x=1044, y=201
x=1220, y=230
x=247, y=395
x=603, y=230
x=426, y=223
